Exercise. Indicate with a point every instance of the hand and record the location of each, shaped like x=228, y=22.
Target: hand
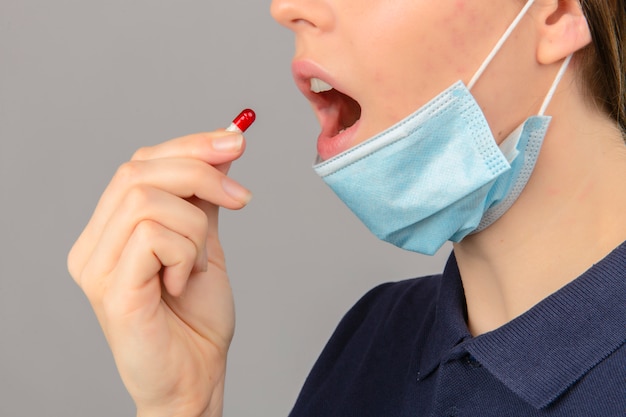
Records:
x=151, y=265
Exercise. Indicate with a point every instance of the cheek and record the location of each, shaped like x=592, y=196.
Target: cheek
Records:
x=416, y=55
x=403, y=77
x=417, y=51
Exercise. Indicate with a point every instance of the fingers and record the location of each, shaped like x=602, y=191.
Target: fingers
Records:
x=180, y=167
x=145, y=203
x=153, y=249
x=178, y=176
x=213, y=148
x=154, y=258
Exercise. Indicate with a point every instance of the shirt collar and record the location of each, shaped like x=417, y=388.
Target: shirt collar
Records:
x=543, y=352
x=450, y=322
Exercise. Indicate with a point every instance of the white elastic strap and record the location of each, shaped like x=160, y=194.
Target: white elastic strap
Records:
x=555, y=84
x=498, y=46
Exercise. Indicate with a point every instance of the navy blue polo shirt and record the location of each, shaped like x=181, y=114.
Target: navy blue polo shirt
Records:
x=405, y=350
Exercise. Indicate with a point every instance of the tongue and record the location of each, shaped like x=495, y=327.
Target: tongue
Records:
x=347, y=110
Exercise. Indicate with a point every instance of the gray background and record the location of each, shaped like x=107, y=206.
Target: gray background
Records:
x=85, y=83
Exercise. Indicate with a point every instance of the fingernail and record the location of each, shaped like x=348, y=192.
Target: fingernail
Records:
x=228, y=143
x=236, y=191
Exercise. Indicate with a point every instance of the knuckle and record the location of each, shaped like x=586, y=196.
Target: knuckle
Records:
x=142, y=153
x=128, y=172
x=198, y=171
x=139, y=197
x=73, y=265
x=147, y=230
x=198, y=137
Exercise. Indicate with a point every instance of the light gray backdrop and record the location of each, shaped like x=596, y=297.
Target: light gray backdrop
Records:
x=85, y=83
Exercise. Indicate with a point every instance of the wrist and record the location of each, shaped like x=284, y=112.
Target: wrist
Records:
x=174, y=408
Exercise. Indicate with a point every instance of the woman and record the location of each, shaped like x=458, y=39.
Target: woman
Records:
x=528, y=317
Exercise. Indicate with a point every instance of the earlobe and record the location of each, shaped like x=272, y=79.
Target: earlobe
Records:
x=564, y=30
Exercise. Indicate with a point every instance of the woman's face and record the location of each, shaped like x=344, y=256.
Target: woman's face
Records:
x=386, y=58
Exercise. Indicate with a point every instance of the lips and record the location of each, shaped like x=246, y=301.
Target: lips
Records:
x=337, y=112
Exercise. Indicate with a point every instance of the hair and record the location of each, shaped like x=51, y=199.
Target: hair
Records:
x=602, y=63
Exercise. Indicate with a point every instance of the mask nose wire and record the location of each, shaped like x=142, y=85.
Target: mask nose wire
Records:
x=498, y=46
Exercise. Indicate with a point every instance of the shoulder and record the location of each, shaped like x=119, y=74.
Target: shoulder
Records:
x=369, y=353
x=389, y=314
x=409, y=299
x=385, y=314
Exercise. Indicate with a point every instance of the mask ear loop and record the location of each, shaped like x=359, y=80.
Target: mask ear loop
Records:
x=498, y=46
x=555, y=84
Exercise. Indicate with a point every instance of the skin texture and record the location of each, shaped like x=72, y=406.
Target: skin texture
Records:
x=150, y=261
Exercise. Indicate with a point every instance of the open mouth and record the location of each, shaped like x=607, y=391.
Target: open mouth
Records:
x=338, y=112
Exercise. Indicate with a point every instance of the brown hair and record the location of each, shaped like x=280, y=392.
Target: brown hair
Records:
x=602, y=63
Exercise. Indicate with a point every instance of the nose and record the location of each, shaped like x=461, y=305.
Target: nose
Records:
x=299, y=14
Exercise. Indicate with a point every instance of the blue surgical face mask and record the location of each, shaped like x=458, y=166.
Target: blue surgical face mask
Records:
x=438, y=175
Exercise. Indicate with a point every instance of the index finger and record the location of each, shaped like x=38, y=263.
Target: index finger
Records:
x=217, y=147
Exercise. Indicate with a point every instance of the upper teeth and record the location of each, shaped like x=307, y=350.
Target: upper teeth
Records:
x=319, y=86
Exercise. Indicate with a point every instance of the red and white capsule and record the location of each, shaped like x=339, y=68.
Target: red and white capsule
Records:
x=242, y=122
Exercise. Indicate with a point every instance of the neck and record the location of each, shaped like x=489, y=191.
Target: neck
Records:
x=569, y=216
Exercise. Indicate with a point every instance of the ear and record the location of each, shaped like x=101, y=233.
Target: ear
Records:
x=563, y=30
